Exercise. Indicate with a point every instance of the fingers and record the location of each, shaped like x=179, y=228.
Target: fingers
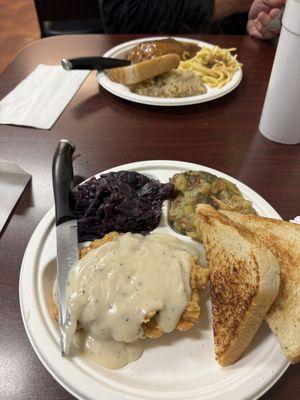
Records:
x=269, y=22
x=275, y=12
x=262, y=20
x=261, y=23
x=275, y=3
x=253, y=31
x=275, y=24
x=256, y=28
x=266, y=6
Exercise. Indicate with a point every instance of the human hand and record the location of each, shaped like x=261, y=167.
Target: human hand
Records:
x=261, y=13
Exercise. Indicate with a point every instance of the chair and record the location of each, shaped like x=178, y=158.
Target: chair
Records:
x=65, y=17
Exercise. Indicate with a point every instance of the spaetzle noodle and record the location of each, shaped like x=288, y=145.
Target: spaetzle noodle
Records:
x=214, y=65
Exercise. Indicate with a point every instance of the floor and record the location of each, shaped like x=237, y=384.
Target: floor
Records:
x=18, y=27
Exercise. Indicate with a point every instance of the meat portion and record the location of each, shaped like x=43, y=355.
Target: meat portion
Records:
x=192, y=313
x=155, y=48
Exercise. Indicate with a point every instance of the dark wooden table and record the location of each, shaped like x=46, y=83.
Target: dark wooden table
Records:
x=108, y=131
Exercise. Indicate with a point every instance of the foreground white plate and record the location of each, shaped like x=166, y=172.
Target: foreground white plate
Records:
x=177, y=366
x=119, y=90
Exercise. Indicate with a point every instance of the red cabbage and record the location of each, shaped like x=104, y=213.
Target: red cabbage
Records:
x=122, y=201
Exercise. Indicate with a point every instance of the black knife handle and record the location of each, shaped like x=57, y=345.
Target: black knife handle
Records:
x=98, y=63
x=63, y=178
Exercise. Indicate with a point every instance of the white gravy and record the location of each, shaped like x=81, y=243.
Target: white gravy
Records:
x=114, y=287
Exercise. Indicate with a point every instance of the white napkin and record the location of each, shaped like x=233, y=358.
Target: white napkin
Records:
x=296, y=220
x=40, y=98
x=13, y=180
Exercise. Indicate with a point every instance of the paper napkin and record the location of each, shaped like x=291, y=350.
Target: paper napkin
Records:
x=40, y=98
x=13, y=180
x=296, y=220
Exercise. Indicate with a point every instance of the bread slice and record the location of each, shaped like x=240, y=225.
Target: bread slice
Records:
x=283, y=239
x=144, y=70
x=244, y=281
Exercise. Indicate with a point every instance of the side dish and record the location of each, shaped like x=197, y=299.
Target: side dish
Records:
x=215, y=66
x=196, y=187
x=124, y=201
x=244, y=281
x=172, y=84
x=128, y=287
x=283, y=239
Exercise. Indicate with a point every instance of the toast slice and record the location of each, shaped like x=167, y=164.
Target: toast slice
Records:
x=144, y=70
x=283, y=239
x=244, y=281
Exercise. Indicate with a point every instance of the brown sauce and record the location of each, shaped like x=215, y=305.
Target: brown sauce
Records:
x=156, y=48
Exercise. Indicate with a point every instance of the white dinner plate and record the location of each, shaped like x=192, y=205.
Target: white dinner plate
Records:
x=123, y=91
x=179, y=366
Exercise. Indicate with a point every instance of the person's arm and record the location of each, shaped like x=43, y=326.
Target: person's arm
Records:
x=224, y=8
x=156, y=16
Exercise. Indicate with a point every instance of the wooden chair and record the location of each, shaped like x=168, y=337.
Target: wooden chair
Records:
x=67, y=17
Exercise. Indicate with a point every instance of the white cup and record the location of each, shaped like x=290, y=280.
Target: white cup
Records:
x=280, y=119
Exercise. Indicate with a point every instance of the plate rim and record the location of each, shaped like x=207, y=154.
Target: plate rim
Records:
x=106, y=83
x=48, y=219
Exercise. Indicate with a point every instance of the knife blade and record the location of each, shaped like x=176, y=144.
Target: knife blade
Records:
x=66, y=236
x=98, y=63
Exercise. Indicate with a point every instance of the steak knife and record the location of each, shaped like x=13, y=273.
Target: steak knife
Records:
x=66, y=236
x=98, y=63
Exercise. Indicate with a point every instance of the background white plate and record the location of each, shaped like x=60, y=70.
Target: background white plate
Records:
x=177, y=366
x=119, y=90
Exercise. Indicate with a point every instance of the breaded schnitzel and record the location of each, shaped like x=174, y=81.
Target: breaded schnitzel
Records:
x=192, y=313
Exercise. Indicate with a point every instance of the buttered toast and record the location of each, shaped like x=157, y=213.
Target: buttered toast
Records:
x=244, y=281
x=283, y=239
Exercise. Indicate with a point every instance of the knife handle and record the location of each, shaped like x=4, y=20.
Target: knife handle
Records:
x=63, y=178
x=98, y=63
x=77, y=63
